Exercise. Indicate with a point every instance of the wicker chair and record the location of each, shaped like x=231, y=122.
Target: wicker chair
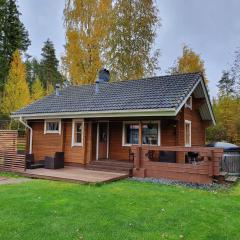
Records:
x=31, y=163
x=55, y=162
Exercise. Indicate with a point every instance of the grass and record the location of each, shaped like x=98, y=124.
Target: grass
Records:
x=123, y=210
x=10, y=174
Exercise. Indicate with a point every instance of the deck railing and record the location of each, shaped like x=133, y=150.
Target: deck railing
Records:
x=202, y=170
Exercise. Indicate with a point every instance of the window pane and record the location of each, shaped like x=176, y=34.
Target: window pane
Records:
x=131, y=133
x=150, y=133
x=78, y=132
x=187, y=134
x=103, y=132
x=52, y=126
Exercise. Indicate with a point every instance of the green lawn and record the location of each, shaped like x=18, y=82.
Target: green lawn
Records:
x=122, y=210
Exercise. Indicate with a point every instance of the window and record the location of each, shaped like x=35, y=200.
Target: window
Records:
x=188, y=103
x=77, y=133
x=52, y=126
x=151, y=133
x=187, y=133
x=130, y=133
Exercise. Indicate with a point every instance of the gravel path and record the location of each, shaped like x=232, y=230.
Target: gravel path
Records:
x=7, y=180
x=209, y=187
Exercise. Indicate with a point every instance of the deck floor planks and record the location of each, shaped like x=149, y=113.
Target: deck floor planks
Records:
x=75, y=174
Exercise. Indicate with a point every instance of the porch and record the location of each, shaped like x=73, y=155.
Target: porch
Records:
x=139, y=160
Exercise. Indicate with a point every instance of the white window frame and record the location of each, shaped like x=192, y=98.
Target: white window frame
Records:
x=190, y=133
x=159, y=133
x=52, y=131
x=124, y=135
x=190, y=104
x=76, y=144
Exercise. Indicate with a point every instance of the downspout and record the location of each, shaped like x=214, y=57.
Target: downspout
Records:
x=31, y=134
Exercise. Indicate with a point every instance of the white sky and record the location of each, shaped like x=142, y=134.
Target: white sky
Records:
x=211, y=28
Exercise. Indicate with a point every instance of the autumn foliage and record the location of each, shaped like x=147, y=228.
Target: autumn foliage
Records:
x=16, y=90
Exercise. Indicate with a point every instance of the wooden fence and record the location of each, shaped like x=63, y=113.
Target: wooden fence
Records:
x=11, y=160
x=200, y=172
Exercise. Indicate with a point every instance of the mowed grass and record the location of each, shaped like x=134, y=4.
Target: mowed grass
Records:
x=122, y=210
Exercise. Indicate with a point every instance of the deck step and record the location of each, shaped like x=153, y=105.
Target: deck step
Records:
x=223, y=174
x=111, y=166
x=106, y=167
x=113, y=163
x=231, y=179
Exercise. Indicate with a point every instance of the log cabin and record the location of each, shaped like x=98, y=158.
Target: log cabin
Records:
x=152, y=127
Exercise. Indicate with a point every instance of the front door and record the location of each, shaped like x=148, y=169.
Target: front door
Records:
x=102, y=141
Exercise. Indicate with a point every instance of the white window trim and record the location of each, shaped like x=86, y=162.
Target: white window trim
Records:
x=123, y=133
x=52, y=131
x=74, y=144
x=189, y=105
x=190, y=133
x=159, y=133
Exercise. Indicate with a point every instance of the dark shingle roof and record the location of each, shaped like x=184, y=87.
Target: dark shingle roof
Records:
x=149, y=93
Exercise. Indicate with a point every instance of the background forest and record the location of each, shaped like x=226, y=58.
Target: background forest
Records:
x=119, y=35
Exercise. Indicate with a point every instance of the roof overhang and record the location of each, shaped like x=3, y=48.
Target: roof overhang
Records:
x=101, y=114
x=206, y=109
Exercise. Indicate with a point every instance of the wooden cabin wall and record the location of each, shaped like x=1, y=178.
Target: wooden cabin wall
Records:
x=44, y=144
x=49, y=143
x=73, y=154
x=116, y=150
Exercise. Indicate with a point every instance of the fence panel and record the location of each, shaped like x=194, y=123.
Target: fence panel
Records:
x=230, y=163
x=10, y=159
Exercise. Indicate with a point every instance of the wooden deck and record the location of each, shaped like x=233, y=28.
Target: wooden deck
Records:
x=75, y=174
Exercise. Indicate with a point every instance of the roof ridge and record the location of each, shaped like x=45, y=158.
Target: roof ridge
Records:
x=140, y=79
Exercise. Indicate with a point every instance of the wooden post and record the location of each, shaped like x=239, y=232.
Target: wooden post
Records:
x=89, y=142
x=140, y=134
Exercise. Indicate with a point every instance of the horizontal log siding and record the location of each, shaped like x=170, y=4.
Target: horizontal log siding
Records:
x=48, y=144
x=73, y=154
x=45, y=144
x=168, y=133
x=198, y=125
x=116, y=150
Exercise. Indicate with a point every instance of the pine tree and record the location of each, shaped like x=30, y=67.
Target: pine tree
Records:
x=37, y=90
x=226, y=85
x=13, y=35
x=189, y=62
x=49, y=73
x=16, y=91
x=33, y=70
x=235, y=71
x=132, y=35
x=87, y=27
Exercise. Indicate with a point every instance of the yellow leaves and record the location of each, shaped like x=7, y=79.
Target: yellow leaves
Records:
x=16, y=91
x=225, y=111
x=86, y=30
x=189, y=62
x=37, y=90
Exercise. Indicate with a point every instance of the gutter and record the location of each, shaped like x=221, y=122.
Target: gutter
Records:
x=31, y=133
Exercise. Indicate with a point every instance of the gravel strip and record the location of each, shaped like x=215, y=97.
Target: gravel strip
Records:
x=6, y=180
x=208, y=187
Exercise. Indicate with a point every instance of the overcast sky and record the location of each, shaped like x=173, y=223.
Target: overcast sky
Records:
x=211, y=28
